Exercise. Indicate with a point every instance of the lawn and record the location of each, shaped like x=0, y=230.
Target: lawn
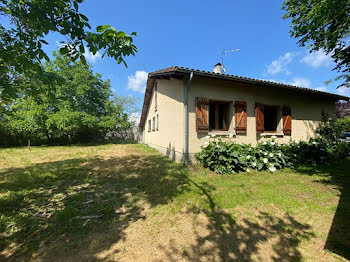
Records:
x=125, y=202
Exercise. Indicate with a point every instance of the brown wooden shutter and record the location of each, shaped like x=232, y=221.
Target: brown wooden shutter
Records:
x=202, y=114
x=287, y=120
x=259, y=116
x=241, y=117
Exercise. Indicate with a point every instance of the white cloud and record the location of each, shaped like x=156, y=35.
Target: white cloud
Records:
x=280, y=64
x=138, y=81
x=321, y=88
x=135, y=117
x=301, y=81
x=344, y=91
x=271, y=80
x=90, y=57
x=317, y=59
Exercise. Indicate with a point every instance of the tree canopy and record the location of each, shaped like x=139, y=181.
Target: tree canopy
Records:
x=24, y=25
x=323, y=25
x=77, y=106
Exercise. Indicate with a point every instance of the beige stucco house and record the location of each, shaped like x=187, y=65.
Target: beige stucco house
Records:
x=183, y=106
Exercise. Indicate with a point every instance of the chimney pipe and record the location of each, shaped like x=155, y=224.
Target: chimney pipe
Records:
x=217, y=68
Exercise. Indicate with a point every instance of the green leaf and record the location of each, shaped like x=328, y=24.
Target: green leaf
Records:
x=83, y=60
x=84, y=17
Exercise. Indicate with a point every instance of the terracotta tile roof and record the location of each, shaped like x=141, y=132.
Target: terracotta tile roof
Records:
x=176, y=70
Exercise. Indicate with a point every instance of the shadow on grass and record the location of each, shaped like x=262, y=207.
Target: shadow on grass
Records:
x=110, y=141
x=71, y=200
x=50, y=200
x=337, y=174
x=228, y=240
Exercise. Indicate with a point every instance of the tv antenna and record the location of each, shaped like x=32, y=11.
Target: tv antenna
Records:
x=223, y=53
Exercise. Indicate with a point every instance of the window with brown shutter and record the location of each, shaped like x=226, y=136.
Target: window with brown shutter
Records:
x=219, y=115
x=241, y=117
x=259, y=116
x=287, y=120
x=202, y=114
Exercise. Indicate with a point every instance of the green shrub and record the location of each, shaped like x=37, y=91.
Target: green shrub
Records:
x=223, y=157
x=343, y=124
x=328, y=129
x=316, y=151
x=230, y=157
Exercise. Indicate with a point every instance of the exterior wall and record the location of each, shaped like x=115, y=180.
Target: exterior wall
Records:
x=306, y=110
x=169, y=139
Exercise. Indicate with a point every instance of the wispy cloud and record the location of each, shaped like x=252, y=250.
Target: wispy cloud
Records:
x=301, y=81
x=137, y=82
x=317, y=59
x=90, y=57
x=321, y=88
x=345, y=91
x=280, y=64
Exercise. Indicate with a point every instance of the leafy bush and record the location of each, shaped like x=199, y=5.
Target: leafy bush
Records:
x=229, y=157
x=316, y=151
x=222, y=157
x=328, y=129
x=343, y=124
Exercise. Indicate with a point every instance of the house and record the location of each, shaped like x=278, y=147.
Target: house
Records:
x=183, y=107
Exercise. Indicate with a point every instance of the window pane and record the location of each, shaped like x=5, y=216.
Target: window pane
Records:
x=270, y=118
x=222, y=116
x=212, y=116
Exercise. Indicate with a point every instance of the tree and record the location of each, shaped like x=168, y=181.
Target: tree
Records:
x=78, y=106
x=24, y=25
x=323, y=25
x=342, y=109
x=26, y=118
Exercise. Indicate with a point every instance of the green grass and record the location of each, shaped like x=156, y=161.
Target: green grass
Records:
x=45, y=193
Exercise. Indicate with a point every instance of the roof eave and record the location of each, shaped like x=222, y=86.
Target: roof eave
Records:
x=179, y=72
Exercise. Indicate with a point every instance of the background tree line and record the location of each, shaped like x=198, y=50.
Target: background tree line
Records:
x=72, y=105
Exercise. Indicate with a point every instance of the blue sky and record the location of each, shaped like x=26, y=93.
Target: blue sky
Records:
x=193, y=34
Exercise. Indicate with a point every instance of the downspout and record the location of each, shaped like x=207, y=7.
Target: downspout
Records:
x=186, y=153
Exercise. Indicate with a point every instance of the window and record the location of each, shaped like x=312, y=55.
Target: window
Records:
x=149, y=125
x=270, y=118
x=212, y=115
x=219, y=115
x=153, y=123
x=157, y=122
x=155, y=96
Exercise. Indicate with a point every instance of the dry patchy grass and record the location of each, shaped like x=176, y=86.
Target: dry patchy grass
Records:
x=127, y=203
